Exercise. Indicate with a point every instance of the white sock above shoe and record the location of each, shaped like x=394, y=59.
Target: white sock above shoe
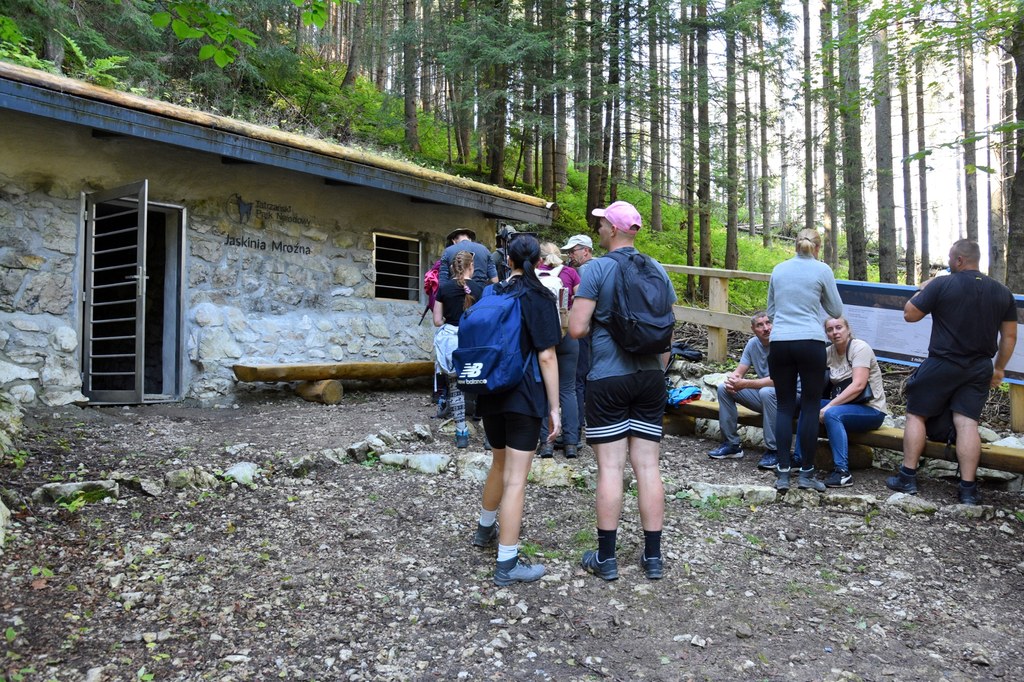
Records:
x=506, y=552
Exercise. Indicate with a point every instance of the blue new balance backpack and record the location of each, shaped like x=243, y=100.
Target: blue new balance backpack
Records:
x=489, y=359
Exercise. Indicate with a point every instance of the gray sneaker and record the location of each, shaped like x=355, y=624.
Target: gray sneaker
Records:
x=485, y=535
x=606, y=570
x=518, y=569
x=807, y=481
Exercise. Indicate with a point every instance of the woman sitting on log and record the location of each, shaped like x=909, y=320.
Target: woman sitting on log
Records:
x=454, y=297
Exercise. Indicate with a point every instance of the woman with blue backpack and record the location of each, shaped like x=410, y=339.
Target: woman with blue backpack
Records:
x=512, y=416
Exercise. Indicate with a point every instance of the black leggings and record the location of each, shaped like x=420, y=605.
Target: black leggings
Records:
x=786, y=361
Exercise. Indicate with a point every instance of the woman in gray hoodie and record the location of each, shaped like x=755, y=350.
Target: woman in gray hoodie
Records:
x=801, y=291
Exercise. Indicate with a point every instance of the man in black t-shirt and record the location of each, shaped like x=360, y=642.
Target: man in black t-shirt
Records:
x=974, y=318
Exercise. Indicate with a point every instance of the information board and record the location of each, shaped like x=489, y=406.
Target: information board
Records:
x=875, y=312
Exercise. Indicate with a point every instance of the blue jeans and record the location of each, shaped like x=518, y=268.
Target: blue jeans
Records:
x=567, y=351
x=848, y=417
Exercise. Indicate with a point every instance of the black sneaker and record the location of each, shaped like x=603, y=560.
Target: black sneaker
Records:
x=485, y=535
x=902, y=483
x=653, y=567
x=839, y=478
x=606, y=570
x=969, y=495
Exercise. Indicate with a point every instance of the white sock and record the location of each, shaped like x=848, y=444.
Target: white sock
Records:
x=506, y=552
x=487, y=518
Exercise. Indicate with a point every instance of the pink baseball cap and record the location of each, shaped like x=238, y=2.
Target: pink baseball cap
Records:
x=622, y=215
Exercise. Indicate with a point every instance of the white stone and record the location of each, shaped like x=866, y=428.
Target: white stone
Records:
x=1010, y=442
x=23, y=393
x=10, y=372
x=5, y=519
x=208, y=315
x=64, y=339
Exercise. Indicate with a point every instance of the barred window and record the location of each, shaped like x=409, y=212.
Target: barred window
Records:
x=398, y=266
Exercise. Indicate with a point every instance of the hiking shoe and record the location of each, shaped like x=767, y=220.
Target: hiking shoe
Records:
x=807, y=481
x=546, y=451
x=485, y=535
x=969, y=495
x=902, y=482
x=444, y=410
x=839, y=478
x=726, y=451
x=769, y=460
x=781, y=479
x=518, y=569
x=559, y=443
x=606, y=570
x=570, y=451
x=653, y=567
x=462, y=439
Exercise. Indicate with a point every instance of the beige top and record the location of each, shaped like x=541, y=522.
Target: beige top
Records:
x=860, y=355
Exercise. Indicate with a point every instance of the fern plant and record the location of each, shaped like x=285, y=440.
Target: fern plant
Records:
x=96, y=71
x=17, y=49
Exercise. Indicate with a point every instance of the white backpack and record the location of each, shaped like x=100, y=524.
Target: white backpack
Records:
x=553, y=282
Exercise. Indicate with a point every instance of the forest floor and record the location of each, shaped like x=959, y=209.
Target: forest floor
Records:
x=346, y=570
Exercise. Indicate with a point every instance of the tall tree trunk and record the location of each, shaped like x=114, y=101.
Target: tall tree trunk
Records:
x=703, y=143
x=849, y=113
x=922, y=164
x=748, y=145
x=829, y=163
x=766, y=224
x=427, y=69
x=689, y=130
x=547, y=105
x=910, y=266
x=732, y=198
x=885, y=190
x=409, y=45
x=1003, y=164
x=970, y=147
x=809, y=203
x=354, y=48
x=783, y=161
x=581, y=114
x=657, y=167
x=1015, y=219
x=612, y=141
x=597, y=98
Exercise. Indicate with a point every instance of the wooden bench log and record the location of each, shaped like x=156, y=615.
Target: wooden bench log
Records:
x=334, y=370
x=681, y=420
x=326, y=391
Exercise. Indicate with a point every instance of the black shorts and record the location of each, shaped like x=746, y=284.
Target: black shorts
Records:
x=938, y=383
x=630, y=405
x=512, y=430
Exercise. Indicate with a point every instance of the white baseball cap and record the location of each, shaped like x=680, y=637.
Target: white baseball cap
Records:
x=579, y=240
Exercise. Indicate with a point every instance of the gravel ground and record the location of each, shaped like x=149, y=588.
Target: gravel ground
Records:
x=344, y=570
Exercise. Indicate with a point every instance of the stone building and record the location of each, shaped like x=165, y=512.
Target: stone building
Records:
x=145, y=248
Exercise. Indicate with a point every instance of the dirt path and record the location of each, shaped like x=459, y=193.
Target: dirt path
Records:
x=365, y=571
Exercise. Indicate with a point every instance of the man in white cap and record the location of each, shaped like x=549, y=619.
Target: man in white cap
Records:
x=625, y=401
x=580, y=248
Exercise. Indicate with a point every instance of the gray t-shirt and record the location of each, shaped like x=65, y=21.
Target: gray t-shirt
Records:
x=607, y=359
x=755, y=355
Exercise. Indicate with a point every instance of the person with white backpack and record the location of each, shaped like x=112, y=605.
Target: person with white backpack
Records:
x=562, y=281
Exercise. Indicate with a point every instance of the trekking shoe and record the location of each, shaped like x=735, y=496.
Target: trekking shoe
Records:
x=462, y=439
x=902, y=482
x=444, y=410
x=653, y=567
x=726, y=451
x=485, y=535
x=781, y=479
x=969, y=494
x=570, y=451
x=518, y=569
x=807, y=481
x=606, y=570
x=839, y=478
x=559, y=444
x=769, y=460
x=546, y=451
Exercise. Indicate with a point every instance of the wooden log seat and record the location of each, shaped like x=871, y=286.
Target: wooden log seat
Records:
x=321, y=382
x=681, y=420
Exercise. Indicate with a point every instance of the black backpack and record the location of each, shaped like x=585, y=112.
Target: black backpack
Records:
x=641, y=319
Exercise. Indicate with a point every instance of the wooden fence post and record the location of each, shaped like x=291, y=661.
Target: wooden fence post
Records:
x=718, y=301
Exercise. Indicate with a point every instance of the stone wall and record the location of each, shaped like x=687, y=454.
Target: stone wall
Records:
x=290, y=281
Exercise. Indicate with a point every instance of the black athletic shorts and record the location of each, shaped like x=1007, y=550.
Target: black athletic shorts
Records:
x=630, y=405
x=938, y=383
x=513, y=430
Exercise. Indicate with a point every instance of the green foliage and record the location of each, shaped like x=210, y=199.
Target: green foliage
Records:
x=17, y=49
x=93, y=70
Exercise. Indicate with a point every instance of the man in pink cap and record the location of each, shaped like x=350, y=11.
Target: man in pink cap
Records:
x=625, y=401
